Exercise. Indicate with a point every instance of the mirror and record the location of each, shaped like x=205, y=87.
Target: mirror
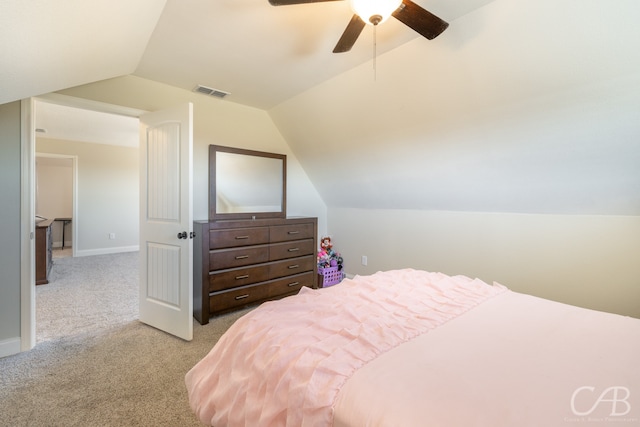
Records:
x=246, y=184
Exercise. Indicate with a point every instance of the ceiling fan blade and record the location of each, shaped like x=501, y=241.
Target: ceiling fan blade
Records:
x=420, y=20
x=289, y=2
x=350, y=35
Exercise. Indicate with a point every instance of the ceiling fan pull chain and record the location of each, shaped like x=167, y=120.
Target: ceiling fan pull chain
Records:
x=374, y=53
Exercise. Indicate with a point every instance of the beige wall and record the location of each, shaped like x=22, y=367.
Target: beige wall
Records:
x=541, y=123
x=582, y=260
x=215, y=122
x=108, y=200
x=588, y=261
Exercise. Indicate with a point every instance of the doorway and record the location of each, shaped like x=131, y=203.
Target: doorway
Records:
x=55, y=198
x=103, y=218
x=156, y=124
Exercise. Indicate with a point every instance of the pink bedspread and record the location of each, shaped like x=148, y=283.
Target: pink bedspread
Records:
x=514, y=360
x=284, y=363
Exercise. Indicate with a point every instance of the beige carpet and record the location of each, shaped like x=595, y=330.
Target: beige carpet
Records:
x=95, y=364
x=87, y=294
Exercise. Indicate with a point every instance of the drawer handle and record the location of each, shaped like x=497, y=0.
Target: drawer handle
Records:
x=291, y=267
x=294, y=249
x=242, y=257
x=242, y=237
x=294, y=232
x=239, y=297
x=293, y=284
x=244, y=276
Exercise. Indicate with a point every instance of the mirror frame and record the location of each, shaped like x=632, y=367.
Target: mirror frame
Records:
x=213, y=215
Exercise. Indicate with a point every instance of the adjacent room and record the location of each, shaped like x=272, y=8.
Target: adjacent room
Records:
x=430, y=142
x=87, y=192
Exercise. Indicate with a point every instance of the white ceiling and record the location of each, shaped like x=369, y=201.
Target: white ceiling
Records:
x=56, y=121
x=555, y=83
x=259, y=53
x=262, y=55
x=49, y=45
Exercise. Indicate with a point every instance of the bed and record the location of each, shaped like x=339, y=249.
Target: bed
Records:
x=415, y=348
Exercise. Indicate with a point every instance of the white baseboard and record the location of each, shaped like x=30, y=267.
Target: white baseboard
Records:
x=9, y=346
x=106, y=251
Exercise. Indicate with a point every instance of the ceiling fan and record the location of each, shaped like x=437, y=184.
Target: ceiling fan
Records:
x=375, y=12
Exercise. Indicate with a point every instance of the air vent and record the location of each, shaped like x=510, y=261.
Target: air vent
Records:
x=210, y=91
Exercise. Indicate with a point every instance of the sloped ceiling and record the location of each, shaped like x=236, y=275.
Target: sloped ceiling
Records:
x=49, y=45
x=261, y=54
x=517, y=107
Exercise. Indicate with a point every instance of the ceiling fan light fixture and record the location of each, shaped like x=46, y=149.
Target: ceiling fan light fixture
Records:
x=374, y=12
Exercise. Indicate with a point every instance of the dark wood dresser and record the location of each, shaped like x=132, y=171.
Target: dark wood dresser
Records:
x=43, y=251
x=242, y=262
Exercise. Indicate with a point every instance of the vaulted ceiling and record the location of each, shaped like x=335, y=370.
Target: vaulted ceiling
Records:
x=518, y=106
x=260, y=54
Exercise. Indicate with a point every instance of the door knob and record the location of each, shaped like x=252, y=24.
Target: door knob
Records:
x=182, y=235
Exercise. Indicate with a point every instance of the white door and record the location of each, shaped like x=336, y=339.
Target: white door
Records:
x=166, y=220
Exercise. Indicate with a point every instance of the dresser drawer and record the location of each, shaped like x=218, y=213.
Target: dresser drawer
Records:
x=238, y=297
x=238, y=237
x=292, y=283
x=283, y=233
x=227, y=279
x=291, y=249
x=230, y=258
x=292, y=266
x=225, y=300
